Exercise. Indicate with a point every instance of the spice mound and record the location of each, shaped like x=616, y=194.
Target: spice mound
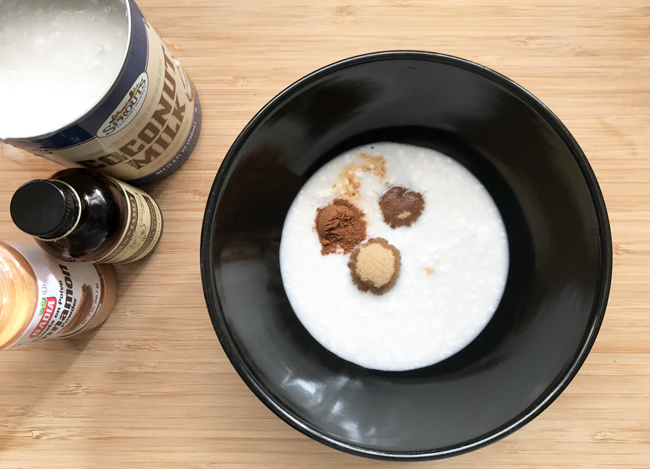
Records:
x=401, y=207
x=375, y=266
x=340, y=227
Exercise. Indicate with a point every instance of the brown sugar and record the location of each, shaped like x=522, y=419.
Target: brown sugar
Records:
x=340, y=227
x=400, y=206
x=375, y=266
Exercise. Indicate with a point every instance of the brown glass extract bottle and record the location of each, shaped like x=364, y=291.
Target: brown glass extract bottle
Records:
x=45, y=298
x=84, y=216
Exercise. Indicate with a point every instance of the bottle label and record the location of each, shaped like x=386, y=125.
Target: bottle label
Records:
x=69, y=296
x=143, y=227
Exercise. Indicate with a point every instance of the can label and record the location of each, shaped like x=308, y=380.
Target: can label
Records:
x=143, y=227
x=145, y=128
x=126, y=111
x=69, y=296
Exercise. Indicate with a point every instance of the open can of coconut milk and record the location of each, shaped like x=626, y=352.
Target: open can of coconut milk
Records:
x=140, y=126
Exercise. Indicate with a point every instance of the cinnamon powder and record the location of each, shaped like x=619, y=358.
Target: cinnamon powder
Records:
x=340, y=227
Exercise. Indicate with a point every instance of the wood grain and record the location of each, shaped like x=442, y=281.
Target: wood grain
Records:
x=152, y=387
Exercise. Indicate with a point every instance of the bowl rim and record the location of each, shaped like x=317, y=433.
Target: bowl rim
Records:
x=255, y=384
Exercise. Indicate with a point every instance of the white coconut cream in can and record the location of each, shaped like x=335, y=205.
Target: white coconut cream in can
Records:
x=90, y=83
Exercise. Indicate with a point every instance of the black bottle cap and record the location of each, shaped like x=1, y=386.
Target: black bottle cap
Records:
x=44, y=208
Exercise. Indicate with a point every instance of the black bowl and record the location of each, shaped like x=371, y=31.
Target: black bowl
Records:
x=558, y=232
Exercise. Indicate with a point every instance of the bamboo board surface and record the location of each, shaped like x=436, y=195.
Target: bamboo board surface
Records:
x=153, y=388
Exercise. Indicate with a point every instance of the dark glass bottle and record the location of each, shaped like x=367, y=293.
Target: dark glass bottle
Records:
x=85, y=216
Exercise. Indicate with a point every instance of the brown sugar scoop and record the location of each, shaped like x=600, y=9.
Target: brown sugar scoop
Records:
x=375, y=266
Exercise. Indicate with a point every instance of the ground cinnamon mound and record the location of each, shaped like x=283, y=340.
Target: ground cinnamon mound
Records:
x=375, y=266
x=400, y=206
x=340, y=227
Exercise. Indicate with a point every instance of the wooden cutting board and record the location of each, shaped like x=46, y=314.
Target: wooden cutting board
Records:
x=153, y=388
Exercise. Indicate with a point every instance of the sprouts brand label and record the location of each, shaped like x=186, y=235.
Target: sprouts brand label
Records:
x=69, y=296
x=145, y=127
x=126, y=111
x=143, y=227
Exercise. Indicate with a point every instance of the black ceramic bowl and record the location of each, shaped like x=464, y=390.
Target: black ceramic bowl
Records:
x=560, y=255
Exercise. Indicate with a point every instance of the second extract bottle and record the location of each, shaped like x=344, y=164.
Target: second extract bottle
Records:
x=85, y=216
